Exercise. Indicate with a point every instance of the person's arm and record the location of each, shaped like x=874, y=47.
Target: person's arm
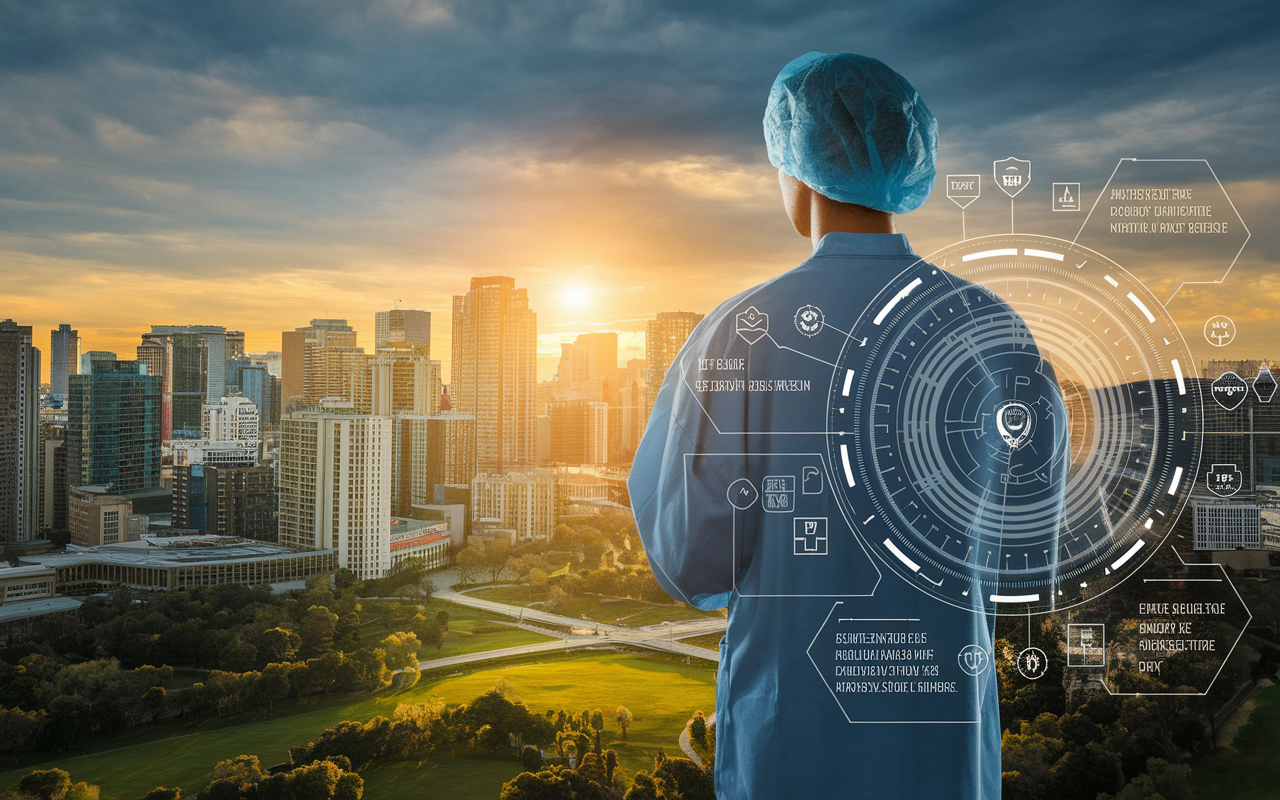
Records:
x=680, y=503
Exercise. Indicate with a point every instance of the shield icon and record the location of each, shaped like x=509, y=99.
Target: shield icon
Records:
x=1224, y=480
x=1014, y=422
x=1012, y=175
x=1229, y=390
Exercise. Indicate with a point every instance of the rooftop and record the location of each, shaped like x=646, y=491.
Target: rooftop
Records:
x=170, y=551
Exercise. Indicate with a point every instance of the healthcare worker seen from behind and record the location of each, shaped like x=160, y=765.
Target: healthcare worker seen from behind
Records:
x=793, y=471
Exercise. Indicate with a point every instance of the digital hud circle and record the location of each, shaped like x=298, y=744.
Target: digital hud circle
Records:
x=1016, y=429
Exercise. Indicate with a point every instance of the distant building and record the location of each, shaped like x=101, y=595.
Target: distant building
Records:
x=403, y=379
x=293, y=361
x=588, y=359
x=87, y=360
x=235, y=344
x=226, y=500
x=663, y=339
x=494, y=371
x=19, y=433
x=335, y=487
x=1228, y=526
x=96, y=515
x=231, y=419
x=522, y=503
x=429, y=450
x=113, y=427
x=579, y=432
x=64, y=358
x=191, y=361
x=263, y=390
x=324, y=361
x=404, y=325
x=428, y=540
x=181, y=562
x=53, y=477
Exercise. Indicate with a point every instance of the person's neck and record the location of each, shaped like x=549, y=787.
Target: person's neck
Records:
x=826, y=217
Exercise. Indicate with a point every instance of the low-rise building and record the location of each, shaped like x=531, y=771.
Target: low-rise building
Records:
x=523, y=503
x=96, y=515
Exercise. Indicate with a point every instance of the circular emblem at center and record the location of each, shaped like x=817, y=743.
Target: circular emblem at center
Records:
x=1014, y=421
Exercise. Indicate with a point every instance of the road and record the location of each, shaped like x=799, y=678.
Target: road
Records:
x=665, y=637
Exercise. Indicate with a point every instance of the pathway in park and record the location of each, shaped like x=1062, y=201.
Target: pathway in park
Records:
x=584, y=633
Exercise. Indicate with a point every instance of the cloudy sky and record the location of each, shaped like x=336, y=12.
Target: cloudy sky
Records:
x=257, y=164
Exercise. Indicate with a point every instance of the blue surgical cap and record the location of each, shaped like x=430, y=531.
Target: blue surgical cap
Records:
x=854, y=130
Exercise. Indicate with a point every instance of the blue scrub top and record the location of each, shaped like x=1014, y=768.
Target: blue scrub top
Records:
x=838, y=677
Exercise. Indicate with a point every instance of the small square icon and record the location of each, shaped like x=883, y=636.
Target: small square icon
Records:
x=779, y=493
x=810, y=536
x=1066, y=197
x=1086, y=645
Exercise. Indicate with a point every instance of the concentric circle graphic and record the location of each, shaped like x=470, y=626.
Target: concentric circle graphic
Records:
x=1016, y=430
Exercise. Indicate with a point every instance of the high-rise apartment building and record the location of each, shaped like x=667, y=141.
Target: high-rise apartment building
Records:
x=402, y=325
x=430, y=450
x=19, y=433
x=53, y=477
x=64, y=359
x=231, y=419
x=663, y=339
x=191, y=361
x=579, y=432
x=335, y=487
x=494, y=371
x=521, y=503
x=630, y=416
x=225, y=500
x=113, y=427
x=589, y=358
x=293, y=368
x=402, y=379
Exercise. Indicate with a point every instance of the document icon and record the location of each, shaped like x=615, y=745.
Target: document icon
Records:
x=810, y=536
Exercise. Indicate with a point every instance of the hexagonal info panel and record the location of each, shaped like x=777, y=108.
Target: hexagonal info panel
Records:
x=1169, y=221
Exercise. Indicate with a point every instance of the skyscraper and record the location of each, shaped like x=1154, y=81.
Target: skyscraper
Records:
x=191, y=361
x=322, y=360
x=494, y=371
x=335, y=487
x=87, y=360
x=406, y=325
x=263, y=390
x=293, y=368
x=403, y=379
x=113, y=427
x=53, y=477
x=231, y=419
x=64, y=359
x=430, y=450
x=19, y=433
x=663, y=339
x=590, y=358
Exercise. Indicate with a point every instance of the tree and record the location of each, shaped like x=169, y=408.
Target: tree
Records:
x=17, y=726
x=316, y=630
x=161, y=793
x=46, y=784
x=624, y=717
x=698, y=730
x=642, y=788
x=273, y=685
x=469, y=563
x=276, y=645
x=680, y=777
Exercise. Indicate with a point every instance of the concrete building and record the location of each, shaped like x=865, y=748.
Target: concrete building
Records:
x=293, y=367
x=335, y=487
x=191, y=361
x=53, y=477
x=87, y=360
x=403, y=325
x=231, y=419
x=64, y=359
x=181, y=562
x=226, y=500
x=113, y=427
x=402, y=379
x=579, y=432
x=425, y=539
x=521, y=503
x=19, y=433
x=263, y=390
x=96, y=515
x=1228, y=526
x=494, y=371
x=22, y=584
x=663, y=339
x=429, y=450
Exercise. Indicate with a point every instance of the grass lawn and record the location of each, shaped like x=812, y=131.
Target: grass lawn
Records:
x=634, y=613
x=711, y=641
x=661, y=693
x=440, y=779
x=470, y=631
x=1251, y=769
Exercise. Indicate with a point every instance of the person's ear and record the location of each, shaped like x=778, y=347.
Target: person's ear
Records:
x=797, y=198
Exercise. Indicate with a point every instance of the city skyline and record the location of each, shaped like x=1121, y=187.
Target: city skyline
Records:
x=228, y=178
